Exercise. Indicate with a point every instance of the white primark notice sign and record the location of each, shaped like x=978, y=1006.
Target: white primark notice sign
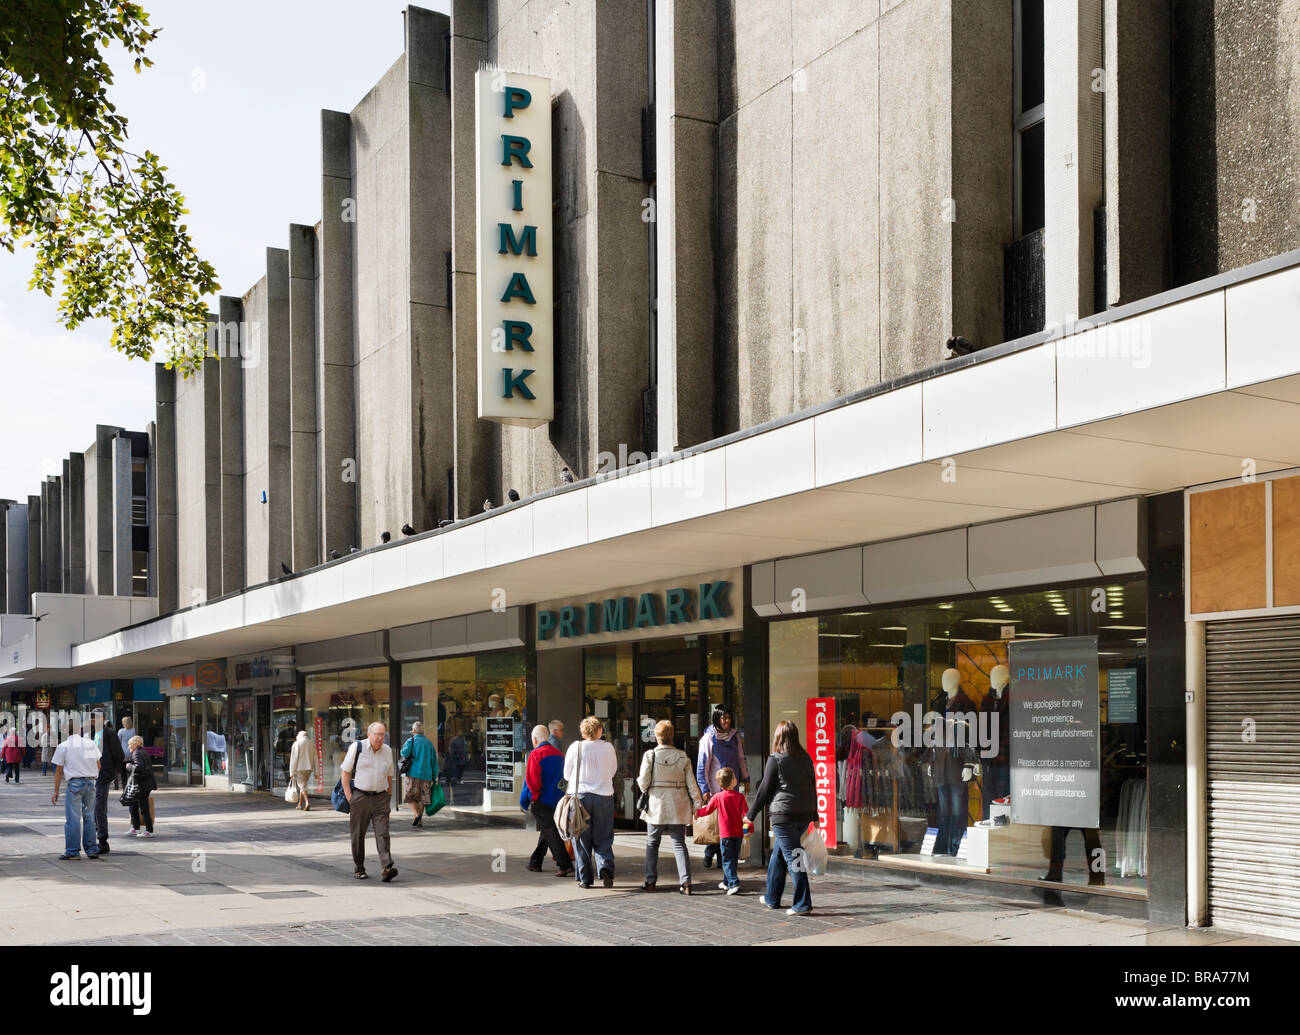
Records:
x=515, y=248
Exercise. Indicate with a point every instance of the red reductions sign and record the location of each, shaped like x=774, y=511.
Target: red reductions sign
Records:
x=821, y=745
x=320, y=754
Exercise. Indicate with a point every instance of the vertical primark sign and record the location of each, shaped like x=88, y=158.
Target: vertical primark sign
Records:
x=515, y=248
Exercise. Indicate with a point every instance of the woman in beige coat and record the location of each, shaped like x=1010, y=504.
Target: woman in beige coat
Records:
x=673, y=798
x=302, y=764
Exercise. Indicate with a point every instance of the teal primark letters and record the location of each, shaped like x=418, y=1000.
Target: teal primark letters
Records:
x=679, y=606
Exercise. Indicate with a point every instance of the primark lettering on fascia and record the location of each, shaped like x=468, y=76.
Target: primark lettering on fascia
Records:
x=679, y=606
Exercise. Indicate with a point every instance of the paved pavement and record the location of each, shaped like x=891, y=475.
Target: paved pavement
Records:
x=237, y=869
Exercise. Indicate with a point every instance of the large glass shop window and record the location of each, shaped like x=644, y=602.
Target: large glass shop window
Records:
x=608, y=695
x=937, y=704
x=340, y=706
x=474, y=709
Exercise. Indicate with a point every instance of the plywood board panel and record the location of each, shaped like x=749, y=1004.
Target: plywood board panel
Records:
x=1286, y=542
x=1228, y=553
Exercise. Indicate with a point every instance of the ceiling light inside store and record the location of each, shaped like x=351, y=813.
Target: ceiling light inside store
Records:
x=988, y=621
x=945, y=607
x=895, y=646
x=1124, y=628
x=893, y=628
x=1037, y=636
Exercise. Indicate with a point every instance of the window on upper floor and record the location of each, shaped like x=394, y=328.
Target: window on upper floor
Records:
x=1028, y=117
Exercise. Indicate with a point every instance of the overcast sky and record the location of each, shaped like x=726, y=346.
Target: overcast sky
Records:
x=232, y=105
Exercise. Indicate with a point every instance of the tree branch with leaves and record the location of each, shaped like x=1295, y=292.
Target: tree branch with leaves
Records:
x=105, y=222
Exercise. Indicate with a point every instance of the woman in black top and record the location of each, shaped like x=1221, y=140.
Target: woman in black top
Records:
x=788, y=792
x=140, y=766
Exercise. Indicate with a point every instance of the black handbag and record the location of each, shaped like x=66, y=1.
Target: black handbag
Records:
x=643, y=800
x=404, y=764
x=131, y=791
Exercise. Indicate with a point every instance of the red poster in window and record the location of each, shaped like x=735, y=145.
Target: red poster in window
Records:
x=821, y=745
x=320, y=754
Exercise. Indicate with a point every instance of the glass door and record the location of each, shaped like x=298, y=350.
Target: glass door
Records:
x=243, y=742
x=263, y=756
x=198, y=752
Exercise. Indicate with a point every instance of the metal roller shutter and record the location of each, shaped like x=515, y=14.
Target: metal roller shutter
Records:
x=1252, y=703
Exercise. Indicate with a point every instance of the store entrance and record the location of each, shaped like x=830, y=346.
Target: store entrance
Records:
x=668, y=687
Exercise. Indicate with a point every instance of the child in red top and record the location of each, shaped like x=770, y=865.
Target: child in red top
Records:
x=730, y=805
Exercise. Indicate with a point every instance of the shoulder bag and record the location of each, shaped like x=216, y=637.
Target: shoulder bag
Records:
x=571, y=819
x=337, y=798
x=643, y=800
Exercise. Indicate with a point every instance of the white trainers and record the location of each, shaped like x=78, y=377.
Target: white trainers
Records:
x=722, y=885
x=792, y=912
x=734, y=890
x=147, y=833
x=132, y=833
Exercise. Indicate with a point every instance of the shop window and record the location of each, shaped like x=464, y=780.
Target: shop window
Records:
x=177, y=743
x=216, y=748
x=465, y=704
x=902, y=796
x=340, y=707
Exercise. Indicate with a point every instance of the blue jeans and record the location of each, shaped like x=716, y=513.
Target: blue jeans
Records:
x=79, y=817
x=954, y=806
x=596, y=843
x=784, y=858
x=730, y=856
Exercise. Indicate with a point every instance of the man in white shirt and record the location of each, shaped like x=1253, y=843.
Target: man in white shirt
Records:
x=595, y=789
x=79, y=758
x=367, y=775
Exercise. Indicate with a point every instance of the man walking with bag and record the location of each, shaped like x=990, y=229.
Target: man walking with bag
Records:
x=367, y=776
x=541, y=793
x=78, y=757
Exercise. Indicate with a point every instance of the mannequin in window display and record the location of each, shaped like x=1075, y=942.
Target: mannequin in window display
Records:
x=953, y=763
x=997, y=779
x=954, y=698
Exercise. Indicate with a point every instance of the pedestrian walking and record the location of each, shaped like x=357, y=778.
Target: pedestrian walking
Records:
x=556, y=739
x=302, y=763
x=730, y=805
x=541, y=793
x=671, y=798
x=139, y=768
x=788, y=792
x=113, y=766
x=421, y=774
x=594, y=847
x=78, y=757
x=125, y=732
x=47, y=751
x=721, y=746
x=13, y=755
x=367, y=775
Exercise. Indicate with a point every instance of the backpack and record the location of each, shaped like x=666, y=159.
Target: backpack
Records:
x=337, y=797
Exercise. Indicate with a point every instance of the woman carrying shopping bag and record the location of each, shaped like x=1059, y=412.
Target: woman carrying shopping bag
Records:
x=788, y=792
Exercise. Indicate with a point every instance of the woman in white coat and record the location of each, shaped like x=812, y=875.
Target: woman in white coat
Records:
x=302, y=764
x=673, y=798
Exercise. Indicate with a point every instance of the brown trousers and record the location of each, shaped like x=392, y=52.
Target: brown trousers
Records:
x=370, y=808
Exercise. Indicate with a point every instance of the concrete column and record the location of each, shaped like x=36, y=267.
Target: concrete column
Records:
x=51, y=536
x=210, y=443
x=74, y=519
x=686, y=139
x=474, y=439
x=15, y=559
x=230, y=371
x=1138, y=151
x=335, y=383
x=1198, y=902
x=151, y=506
x=163, y=491
x=274, y=370
x=100, y=530
x=560, y=679
x=432, y=396
x=33, y=550
x=123, y=585
x=65, y=529
x=1073, y=154
x=303, y=439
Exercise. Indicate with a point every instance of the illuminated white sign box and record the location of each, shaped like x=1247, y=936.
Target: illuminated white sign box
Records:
x=516, y=333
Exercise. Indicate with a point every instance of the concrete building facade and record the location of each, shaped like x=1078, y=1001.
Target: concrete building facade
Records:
x=943, y=320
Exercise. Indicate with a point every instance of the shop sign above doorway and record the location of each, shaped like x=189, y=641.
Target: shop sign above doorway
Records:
x=686, y=606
